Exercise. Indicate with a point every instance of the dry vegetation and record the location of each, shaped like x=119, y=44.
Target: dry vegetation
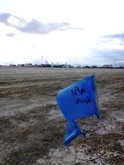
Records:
x=31, y=123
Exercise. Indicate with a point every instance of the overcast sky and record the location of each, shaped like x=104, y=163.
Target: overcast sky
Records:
x=89, y=32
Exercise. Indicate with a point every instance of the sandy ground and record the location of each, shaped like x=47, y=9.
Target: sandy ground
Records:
x=32, y=127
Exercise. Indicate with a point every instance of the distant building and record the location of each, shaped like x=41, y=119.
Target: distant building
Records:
x=20, y=65
x=28, y=64
x=107, y=66
x=12, y=65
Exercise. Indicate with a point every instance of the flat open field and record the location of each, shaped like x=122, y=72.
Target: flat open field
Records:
x=32, y=127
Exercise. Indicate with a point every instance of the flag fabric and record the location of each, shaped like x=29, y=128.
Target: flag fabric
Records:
x=73, y=131
x=78, y=100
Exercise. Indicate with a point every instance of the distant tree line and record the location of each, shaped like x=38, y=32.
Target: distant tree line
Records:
x=47, y=65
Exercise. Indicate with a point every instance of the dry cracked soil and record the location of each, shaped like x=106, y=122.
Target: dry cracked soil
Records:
x=32, y=127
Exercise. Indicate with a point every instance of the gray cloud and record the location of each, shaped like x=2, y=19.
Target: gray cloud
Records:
x=11, y=34
x=4, y=17
x=37, y=27
x=119, y=36
x=34, y=26
x=109, y=55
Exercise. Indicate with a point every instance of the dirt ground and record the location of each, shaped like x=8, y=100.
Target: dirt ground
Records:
x=32, y=127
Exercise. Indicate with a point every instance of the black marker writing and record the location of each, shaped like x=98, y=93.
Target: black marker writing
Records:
x=77, y=90
x=83, y=100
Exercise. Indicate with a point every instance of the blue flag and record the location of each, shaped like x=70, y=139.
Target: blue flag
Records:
x=73, y=131
x=76, y=101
